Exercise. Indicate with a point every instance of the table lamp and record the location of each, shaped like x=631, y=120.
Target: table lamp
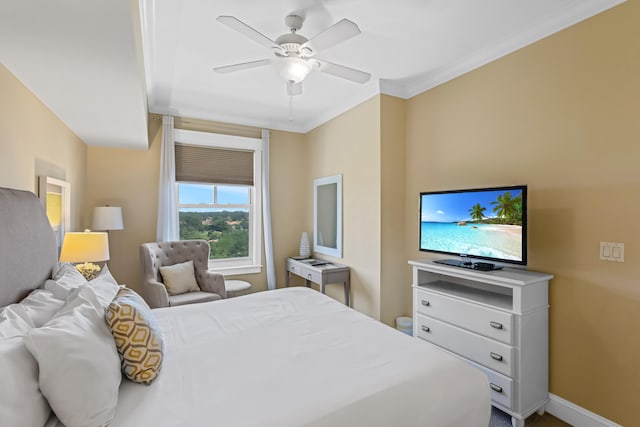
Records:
x=85, y=247
x=107, y=218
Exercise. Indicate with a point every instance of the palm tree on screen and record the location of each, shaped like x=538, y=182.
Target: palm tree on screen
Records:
x=506, y=207
x=477, y=212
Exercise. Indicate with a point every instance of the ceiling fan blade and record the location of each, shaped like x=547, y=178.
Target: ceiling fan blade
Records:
x=338, y=32
x=343, y=72
x=294, y=89
x=242, y=66
x=241, y=27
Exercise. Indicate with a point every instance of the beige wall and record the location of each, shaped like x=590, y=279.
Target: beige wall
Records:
x=370, y=140
x=562, y=116
x=350, y=145
x=129, y=178
x=33, y=142
x=395, y=290
x=290, y=196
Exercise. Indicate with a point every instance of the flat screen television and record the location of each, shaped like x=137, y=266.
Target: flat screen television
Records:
x=483, y=223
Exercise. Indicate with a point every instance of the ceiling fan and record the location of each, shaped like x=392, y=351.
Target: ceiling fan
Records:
x=294, y=54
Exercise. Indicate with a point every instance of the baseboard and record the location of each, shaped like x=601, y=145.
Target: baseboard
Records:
x=575, y=415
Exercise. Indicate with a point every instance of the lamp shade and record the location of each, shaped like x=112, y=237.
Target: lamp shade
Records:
x=85, y=247
x=107, y=218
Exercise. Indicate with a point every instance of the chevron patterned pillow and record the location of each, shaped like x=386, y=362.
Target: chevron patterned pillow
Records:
x=138, y=338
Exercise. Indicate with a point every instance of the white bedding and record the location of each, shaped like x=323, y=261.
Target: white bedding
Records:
x=294, y=357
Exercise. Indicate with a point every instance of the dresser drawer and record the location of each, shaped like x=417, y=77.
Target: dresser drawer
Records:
x=293, y=268
x=501, y=387
x=487, y=352
x=489, y=322
x=305, y=272
x=313, y=275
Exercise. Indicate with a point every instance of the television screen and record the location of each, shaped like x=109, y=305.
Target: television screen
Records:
x=484, y=223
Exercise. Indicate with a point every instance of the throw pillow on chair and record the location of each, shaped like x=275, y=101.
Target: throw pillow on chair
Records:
x=179, y=278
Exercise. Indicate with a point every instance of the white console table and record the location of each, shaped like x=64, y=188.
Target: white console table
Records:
x=320, y=274
x=497, y=321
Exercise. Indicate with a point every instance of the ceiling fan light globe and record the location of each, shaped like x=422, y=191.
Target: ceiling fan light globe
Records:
x=293, y=69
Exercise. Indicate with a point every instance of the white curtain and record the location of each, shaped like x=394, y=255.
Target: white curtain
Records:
x=266, y=213
x=167, y=198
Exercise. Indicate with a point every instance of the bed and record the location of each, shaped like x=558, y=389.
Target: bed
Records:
x=290, y=357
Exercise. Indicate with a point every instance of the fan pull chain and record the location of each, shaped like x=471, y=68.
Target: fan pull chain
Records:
x=290, y=108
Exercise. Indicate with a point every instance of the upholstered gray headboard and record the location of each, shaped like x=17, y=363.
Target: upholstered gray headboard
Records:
x=28, y=250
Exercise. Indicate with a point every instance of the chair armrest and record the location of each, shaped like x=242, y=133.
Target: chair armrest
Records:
x=214, y=283
x=155, y=294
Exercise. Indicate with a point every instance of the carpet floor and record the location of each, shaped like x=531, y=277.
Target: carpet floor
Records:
x=499, y=418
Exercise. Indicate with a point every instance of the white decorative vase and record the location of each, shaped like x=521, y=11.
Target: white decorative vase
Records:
x=304, y=245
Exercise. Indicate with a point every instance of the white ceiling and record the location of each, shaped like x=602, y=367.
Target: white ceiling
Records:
x=83, y=58
x=80, y=58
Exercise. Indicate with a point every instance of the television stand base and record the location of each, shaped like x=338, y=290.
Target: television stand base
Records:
x=482, y=266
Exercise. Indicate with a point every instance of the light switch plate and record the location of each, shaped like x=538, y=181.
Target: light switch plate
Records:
x=610, y=251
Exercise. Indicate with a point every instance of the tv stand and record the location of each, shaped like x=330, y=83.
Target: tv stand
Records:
x=496, y=321
x=473, y=265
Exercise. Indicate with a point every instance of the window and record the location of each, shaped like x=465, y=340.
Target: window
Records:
x=219, y=197
x=218, y=214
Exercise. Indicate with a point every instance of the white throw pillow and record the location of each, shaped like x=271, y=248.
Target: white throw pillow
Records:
x=65, y=279
x=21, y=403
x=14, y=322
x=41, y=305
x=179, y=278
x=78, y=361
x=105, y=287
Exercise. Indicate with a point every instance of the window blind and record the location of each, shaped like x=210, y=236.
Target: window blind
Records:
x=196, y=163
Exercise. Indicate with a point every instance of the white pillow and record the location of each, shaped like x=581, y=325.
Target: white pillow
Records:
x=105, y=287
x=21, y=403
x=179, y=278
x=66, y=269
x=14, y=322
x=40, y=306
x=78, y=361
x=66, y=278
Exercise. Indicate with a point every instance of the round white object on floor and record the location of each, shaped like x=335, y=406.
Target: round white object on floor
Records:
x=234, y=287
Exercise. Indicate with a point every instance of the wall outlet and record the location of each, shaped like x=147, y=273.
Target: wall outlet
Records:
x=610, y=251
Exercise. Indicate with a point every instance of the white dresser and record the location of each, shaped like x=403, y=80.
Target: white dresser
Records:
x=496, y=321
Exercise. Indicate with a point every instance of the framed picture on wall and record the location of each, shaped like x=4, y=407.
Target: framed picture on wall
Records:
x=55, y=196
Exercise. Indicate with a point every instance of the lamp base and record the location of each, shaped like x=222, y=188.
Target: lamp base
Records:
x=89, y=270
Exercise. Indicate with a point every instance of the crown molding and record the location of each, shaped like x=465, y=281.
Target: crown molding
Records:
x=579, y=11
x=296, y=126
x=406, y=88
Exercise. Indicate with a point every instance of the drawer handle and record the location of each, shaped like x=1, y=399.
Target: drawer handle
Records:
x=425, y=303
x=495, y=387
x=425, y=328
x=496, y=356
x=309, y=276
x=496, y=325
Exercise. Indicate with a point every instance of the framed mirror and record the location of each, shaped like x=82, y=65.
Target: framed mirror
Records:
x=55, y=196
x=327, y=215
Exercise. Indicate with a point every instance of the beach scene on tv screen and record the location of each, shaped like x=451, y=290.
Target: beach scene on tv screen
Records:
x=479, y=223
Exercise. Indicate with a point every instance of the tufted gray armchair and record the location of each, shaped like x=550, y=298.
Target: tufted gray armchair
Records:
x=158, y=254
